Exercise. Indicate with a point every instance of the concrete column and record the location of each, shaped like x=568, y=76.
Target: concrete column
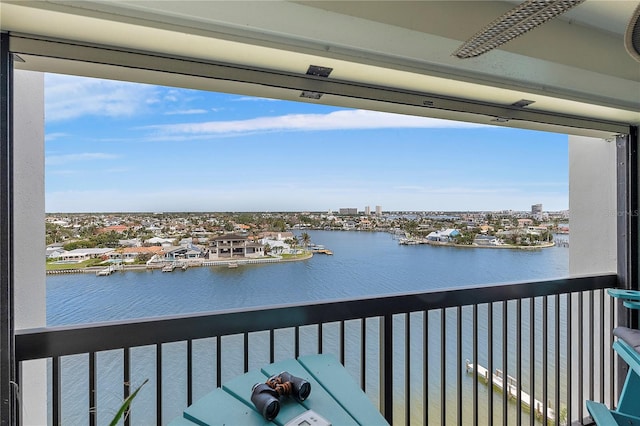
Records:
x=592, y=244
x=592, y=206
x=29, y=233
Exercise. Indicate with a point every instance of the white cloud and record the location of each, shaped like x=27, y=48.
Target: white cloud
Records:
x=187, y=112
x=68, y=97
x=338, y=120
x=63, y=172
x=252, y=99
x=118, y=170
x=257, y=199
x=53, y=136
x=56, y=160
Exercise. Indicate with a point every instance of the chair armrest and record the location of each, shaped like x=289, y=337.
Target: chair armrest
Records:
x=602, y=416
x=633, y=295
x=631, y=304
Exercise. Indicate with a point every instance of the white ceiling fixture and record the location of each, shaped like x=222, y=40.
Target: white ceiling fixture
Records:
x=632, y=35
x=519, y=20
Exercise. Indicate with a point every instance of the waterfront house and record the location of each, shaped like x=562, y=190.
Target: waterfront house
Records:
x=129, y=254
x=54, y=252
x=82, y=254
x=575, y=74
x=277, y=241
x=348, y=225
x=364, y=223
x=276, y=246
x=228, y=246
x=444, y=236
x=486, y=240
x=184, y=252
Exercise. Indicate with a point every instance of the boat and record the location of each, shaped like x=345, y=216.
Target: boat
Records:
x=105, y=272
x=408, y=242
x=317, y=248
x=232, y=265
x=168, y=268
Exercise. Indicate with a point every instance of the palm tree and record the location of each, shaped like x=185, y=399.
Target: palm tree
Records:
x=293, y=241
x=306, y=239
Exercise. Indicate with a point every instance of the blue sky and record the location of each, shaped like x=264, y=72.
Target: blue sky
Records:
x=124, y=147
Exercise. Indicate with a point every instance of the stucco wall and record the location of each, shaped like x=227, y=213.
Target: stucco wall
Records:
x=592, y=204
x=29, y=232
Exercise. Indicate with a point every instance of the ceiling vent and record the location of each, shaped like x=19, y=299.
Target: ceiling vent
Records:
x=512, y=24
x=632, y=35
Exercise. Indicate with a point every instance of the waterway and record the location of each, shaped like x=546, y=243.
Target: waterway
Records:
x=363, y=264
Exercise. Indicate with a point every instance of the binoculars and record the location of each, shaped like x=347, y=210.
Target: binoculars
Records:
x=266, y=396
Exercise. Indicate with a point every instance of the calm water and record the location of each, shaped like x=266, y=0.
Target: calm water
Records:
x=363, y=264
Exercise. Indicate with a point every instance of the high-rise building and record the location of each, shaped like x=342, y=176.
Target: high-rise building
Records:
x=536, y=209
x=367, y=210
x=348, y=210
x=378, y=210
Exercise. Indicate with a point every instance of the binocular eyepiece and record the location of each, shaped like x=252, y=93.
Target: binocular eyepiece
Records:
x=266, y=400
x=266, y=396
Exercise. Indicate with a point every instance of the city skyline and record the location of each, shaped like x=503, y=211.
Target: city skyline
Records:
x=117, y=146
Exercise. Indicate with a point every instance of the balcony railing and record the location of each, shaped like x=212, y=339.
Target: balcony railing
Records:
x=410, y=353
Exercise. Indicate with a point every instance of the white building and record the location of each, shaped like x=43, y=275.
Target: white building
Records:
x=83, y=254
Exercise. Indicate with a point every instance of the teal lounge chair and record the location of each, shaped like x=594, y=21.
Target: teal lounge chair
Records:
x=627, y=346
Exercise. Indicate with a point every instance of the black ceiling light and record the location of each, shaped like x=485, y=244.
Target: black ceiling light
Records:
x=317, y=71
x=632, y=35
x=311, y=95
x=512, y=24
x=522, y=103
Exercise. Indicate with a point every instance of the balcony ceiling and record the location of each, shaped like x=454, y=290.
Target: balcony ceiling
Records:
x=575, y=65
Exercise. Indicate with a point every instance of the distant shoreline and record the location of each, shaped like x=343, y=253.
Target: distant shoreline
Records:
x=502, y=246
x=197, y=264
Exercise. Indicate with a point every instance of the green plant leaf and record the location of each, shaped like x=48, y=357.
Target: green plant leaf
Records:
x=126, y=404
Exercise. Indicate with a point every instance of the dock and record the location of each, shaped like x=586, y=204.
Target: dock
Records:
x=316, y=248
x=169, y=267
x=107, y=271
x=498, y=381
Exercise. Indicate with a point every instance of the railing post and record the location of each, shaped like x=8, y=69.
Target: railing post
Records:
x=386, y=367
